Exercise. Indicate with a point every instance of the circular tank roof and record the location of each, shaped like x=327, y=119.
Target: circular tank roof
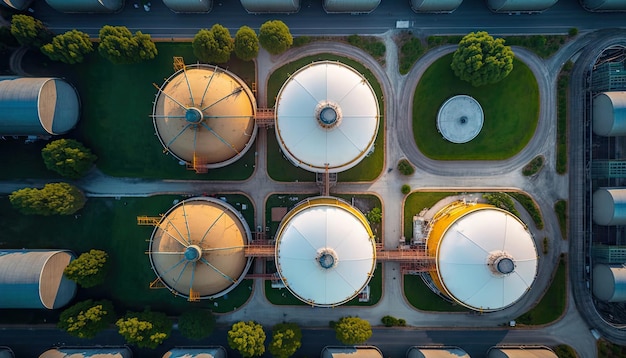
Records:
x=460, y=119
x=486, y=259
x=207, y=113
x=325, y=252
x=326, y=116
x=199, y=245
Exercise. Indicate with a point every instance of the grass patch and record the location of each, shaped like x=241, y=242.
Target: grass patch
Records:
x=417, y=201
x=607, y=349
x=560, y=208
x=552, y=304
x=531, y=207
x=372, y=45
x=281, y=169
x=411, y=49
x=116, y=103
x=511, y=109
x=564, y=351
x=543, y=45
x=111, y=225
x=24, y=160
x=561, y=123
x=535, y=165
x=423, y=298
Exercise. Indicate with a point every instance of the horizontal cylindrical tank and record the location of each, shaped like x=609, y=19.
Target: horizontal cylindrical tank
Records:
x=204, y=352
x=604, y=5
x=609, y=114
x=518, y=352
x=88, y=352
x=271, y=6
x=436, y=352
x=6, y=352
x=16, y=4
x=86, y=5
x=189, y=5
x=519, y=5
x=37, y=106
x=609, y=206
x=34, y=279
x=351, y=351
x=609, y=283
x=435, y=5
x=350, y=6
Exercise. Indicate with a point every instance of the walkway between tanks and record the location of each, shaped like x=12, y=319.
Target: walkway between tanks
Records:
x=546, y=188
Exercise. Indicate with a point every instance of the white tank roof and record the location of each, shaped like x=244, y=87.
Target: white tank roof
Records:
x=269, y=6
x=325, y=252
x=526, y=352
x=350, y=6
x=487, y=259
x=604, y=5
x=326, y=115
x=436, y=352
x=460, y=119
x=609, y=114
x=609, y=283
x=519, y=5
x=196, y=352
x=609, y=206
x=351, y=352
x=88, y=352
x=189, y=5
x=435, y=5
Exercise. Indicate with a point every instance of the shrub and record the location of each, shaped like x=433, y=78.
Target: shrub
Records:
x=534, y=166
x=405, y=167
x=529, y=204
x=573, y=32
x=89, y=269
x=301, y=40
x=502, y=201
x=406, y=188
x=196, y=323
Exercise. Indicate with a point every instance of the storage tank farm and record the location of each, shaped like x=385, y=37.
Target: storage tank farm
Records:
x=486, y=258
x=197, y=248
x=205, y=116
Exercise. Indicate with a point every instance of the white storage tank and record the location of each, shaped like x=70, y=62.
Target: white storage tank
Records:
x=609, y=206
x=604, y=5
x=16, y=4
x=351, y=352
x=436, y=352
x=86, y=5
x=435, y=5
x=185, y=6
x=609, y=283
x=6, y=352
x=519, y=5
x=196, y=352
x=271, y=6
x=609, y=114
x=350, y=6
x=88, y=352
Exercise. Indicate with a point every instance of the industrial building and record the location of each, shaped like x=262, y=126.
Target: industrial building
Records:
x=34, y=279
x=351, y=352
x=519, y=5
x=609, y=206
x=205, y=116
x=609, y=283
x=271, y=6
x=88, y=352
x=435, y=5
x=196, y=352
x=521, y=352
x=609, y=76
x=197, y=248
x=88, y=6
x=37, y=106
x=16, y=4
x=327, y=117
x=325, y=251
x=350, y=6
x=486, y=257
x=185, y=6
x=609, y=114
x=436, y=352
x=604, y=5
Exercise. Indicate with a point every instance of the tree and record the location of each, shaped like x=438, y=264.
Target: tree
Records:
x=405, y=167
x=405, y=189
x=89, y=269
x=213, y=45
x=52, y=199
x=196, y=324
x=29, y=31
x=286, y=339
x=68, y=157
x=248, y=338
x=352, y=330
x=70, y=47
x=145, y=329
x=85, y=319
x=246, y=43
x=120, y=46
x=275, y=37
x=374, y=216
x=481, y=59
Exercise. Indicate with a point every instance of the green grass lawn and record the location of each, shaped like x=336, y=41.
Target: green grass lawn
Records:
x=281, y=169
x=423, y=298
x=21, y=161
x=511, y=109
x=111, y=225
x=417, y=201
x=560, y=208
x=116, y=105
x=552, y=304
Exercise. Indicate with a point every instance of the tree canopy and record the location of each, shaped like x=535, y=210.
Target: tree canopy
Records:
x=120, y=46
x=286, y=339
x=68, y=157
x=52, y=199
x=29, y=31
x=352, y=330
x=85, y=319
x=196, y=324
x=213, y=46
x=89, y=269
x=70, y=47
x=375, y=215
x=248, y=338
x=275, y=37
x=146, y=329
x=246, y=43
x=481, y=59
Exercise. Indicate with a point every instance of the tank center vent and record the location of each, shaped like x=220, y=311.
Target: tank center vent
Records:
x=327, y=258
x=501, y=263
x=328, y=114
x=193, y=115
x=193, y=253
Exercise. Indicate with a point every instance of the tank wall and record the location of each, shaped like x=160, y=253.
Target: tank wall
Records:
x=189, y=5
x=519, y=5
x=353, y=6
x=19, y=113
x=435, y=5
x=609, y=283
x=270, y=6
x=604, y=5
x=609, y=114
x=16, y=4
x=86, y=5
x=609, y=206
